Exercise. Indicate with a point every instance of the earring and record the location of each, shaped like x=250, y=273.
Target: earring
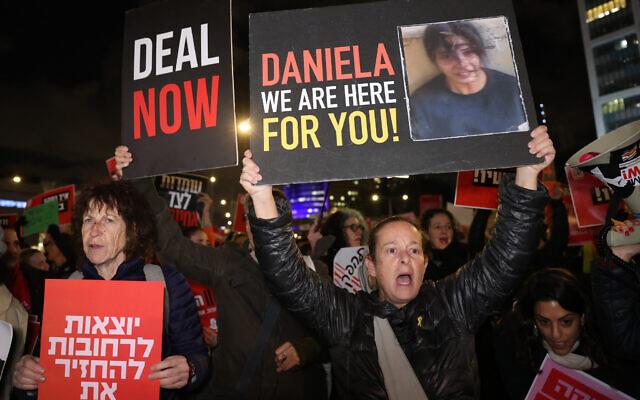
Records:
x=535, y=331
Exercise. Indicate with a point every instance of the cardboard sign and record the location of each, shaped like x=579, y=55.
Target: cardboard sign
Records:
x=177, y=87
x=63, y=195
x=6, y=336
x=206, y=303
x=180, y=191
x=478, y=189
x=8, y=220
x=322, y=96
x=40, y=217
x=99, y=339
x=349, y=271
x=590, y=197
x=556, y=382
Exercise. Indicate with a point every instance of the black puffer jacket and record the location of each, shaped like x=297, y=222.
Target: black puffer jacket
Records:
x=616, y=295
x=436, y=329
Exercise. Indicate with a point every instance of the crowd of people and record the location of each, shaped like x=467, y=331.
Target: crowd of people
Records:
x=447, y=318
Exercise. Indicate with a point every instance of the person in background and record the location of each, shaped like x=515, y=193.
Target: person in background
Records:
x=58, y=247
x=283, y=362
x=16, y=282
x=615, y=278
x=446, y=253
x=409, y=340
x=12, y=312
x=344, y=228
x=116, y=232
x=552, y=317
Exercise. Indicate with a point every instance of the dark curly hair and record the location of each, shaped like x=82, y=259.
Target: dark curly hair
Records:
x=560, y=285
x=122, y=197
x=435, y=36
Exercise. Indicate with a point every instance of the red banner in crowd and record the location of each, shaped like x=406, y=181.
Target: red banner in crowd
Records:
x=99, y=339
x=430, y=201
x=555, y=382
x=206, y=303
x=590, y=197
x=239, y=222
x=8, y=220
x=577, y=236
x=478, y=189
x=63, y=195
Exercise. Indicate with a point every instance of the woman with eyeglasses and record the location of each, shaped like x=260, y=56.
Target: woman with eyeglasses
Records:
x=343, y=228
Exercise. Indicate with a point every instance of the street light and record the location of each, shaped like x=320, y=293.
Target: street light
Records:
x=223, y=202
x=212, y=179
x=375, y=197
x=405, y=197
x=16, y=179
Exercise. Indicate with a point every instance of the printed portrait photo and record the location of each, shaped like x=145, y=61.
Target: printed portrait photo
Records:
x=461, y=79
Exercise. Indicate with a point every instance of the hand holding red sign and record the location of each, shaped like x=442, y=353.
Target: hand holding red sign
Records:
x=172, y=372
x=28, y=374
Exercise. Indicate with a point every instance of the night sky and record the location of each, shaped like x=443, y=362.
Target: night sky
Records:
x=60, y=81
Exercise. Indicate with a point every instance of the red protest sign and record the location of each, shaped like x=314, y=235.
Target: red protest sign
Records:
x=577, y=236
x=63, y=195
x=111, y=167
x=99, y=339
x=478, y=189
x=206, y=303
x=239, y=222
x=555, y=382
x=8, y=220
x=590, y=197
x=430, y=201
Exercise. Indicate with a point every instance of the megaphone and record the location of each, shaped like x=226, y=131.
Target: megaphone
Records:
x=615, y=159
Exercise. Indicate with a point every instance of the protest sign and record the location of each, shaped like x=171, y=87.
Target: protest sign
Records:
x=63, y=195
x=206, y=303
x=590, y=197
x=429, y=201
x=99, y=340
x=8, y=220
x=239, y=220
x=577, y=236
x=478, y=189
x=6, y=337
x=40, y=217
x=180, y=191
x=555, y=382
x=349, y=271
x=110, y=163
x=177, y=87
x=325, y=97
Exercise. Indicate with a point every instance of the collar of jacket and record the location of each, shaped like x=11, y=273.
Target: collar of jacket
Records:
x=130, y=270
x=399, y=318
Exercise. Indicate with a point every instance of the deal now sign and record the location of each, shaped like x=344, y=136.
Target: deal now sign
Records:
x=177, y=88
x=99, y=340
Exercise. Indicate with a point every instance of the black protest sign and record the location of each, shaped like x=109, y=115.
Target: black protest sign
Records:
x=180, y=191
x=177, y=87
x=332, y=90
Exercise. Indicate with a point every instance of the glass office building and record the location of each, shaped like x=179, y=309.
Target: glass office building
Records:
x=610, y=32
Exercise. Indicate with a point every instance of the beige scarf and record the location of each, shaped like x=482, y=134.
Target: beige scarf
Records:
x=571, y=360
x=400, y=379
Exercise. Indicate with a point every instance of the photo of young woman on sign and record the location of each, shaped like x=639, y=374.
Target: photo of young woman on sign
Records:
x=461, y=79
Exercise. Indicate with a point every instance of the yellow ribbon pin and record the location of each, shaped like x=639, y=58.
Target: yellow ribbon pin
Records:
x=420, y=321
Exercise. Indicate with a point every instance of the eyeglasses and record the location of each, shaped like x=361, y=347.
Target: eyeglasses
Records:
x=354, y=227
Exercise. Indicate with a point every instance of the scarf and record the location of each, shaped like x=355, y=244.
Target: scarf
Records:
x=400, y=380
x=571, y=360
